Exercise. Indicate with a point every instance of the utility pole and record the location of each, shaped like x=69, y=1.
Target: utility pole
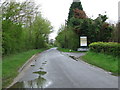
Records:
x=119, y=21
x=65, y=33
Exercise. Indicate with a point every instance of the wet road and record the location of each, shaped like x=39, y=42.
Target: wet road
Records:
x=53, y=69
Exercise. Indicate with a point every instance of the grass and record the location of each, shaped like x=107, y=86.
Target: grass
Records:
x=67, y=50
x=12, y=63
x=0, y=74
x=107, y=62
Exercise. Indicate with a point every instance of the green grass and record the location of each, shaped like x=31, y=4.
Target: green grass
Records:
x=107, y=62
x=0, y=74
x=67, y=50
x=12, y=63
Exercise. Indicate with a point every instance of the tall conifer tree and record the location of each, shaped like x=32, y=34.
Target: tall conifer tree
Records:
x=74, y=5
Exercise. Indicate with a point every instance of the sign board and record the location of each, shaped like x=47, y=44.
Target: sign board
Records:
x=83, y=41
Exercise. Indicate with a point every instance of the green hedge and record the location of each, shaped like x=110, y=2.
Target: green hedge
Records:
x=106, y=47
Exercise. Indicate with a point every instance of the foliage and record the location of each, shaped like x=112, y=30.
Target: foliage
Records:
x=23, y=27
x=19, y=12
x=107, y=62
x=115, y=33
x=41, y=28
x=78, y=24
x=79, y=13
x=67, y=38
x=106, y=47
x=95, y=30
x=118, y=27
x=104, y=29
x=12, y=37
x=73, y=6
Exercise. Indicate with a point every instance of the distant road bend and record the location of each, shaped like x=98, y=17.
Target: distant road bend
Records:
x=53, y=69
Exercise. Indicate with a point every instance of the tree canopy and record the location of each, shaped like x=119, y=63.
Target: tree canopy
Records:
x=81, y=25
x=23, y=27
x=74, y=5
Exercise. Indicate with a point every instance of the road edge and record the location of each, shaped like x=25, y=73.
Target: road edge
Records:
x=22, y=69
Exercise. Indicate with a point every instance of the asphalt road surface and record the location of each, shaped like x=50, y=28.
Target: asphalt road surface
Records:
x=53, y=69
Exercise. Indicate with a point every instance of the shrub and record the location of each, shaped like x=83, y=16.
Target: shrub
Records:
x=106, y=47
x=67, y=38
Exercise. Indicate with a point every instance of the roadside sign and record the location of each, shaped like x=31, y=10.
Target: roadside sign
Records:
x=83, y=41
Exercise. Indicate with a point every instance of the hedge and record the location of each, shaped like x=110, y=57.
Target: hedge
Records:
x=111, y=48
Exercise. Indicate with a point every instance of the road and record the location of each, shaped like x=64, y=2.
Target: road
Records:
x=53, y=69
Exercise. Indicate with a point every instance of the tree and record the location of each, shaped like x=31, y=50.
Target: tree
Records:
x=19, y=12
x=74, y=5
x=115, y=33
x=104, y=30
x=80, y=14
x=14, y=17
x=75, y=16
x=23, y=27
x=12, y=37
x=67, y=38
x=42, y=28
x=118, y=32
x=95, y=30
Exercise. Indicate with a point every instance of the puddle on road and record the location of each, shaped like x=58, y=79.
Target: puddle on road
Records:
x=39, y=82
x=41, y=68
x=32, y=65
x=43, y=63
x=40, y=72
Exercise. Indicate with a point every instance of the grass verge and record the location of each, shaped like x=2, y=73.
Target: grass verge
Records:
x=12, y=63
x=107, y=62
x=1, y=68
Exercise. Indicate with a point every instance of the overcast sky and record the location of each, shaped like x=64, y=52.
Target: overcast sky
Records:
x=56, y=11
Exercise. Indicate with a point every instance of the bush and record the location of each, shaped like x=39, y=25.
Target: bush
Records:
x=67, y=39
x=106, y=47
